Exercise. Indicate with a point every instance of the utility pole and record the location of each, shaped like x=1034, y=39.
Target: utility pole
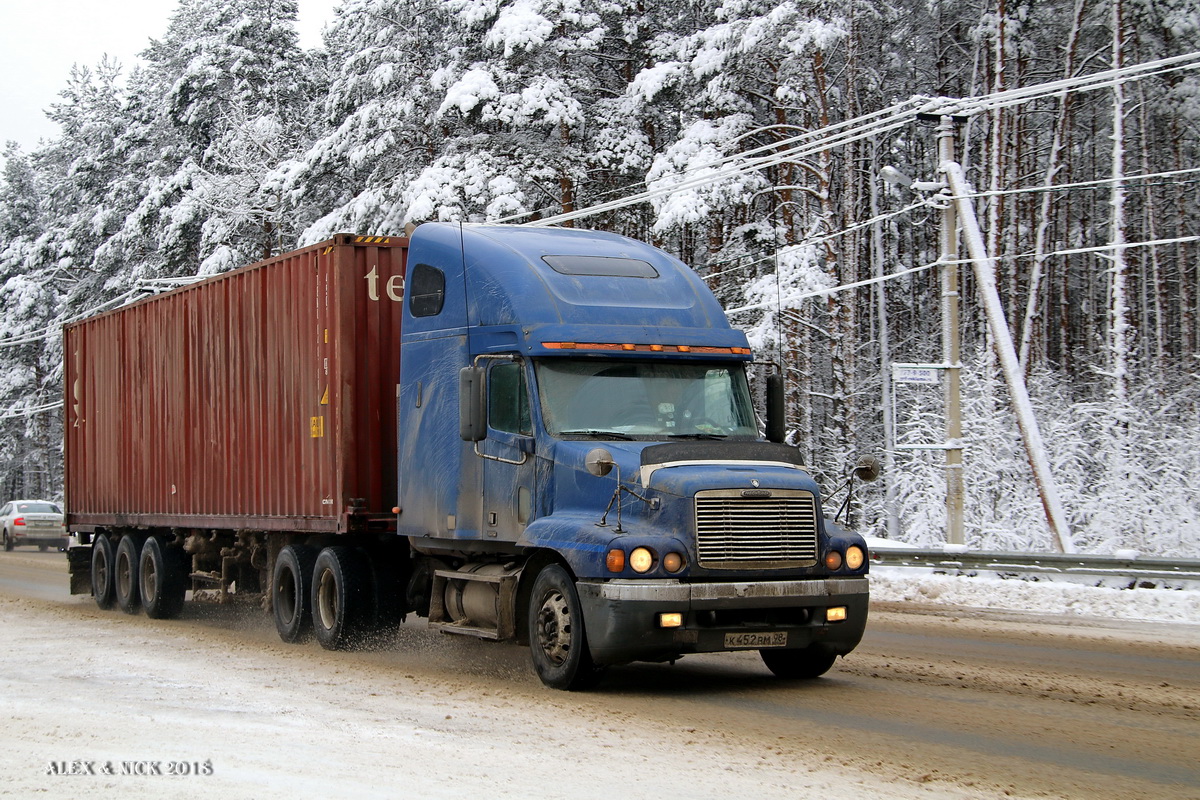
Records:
x=951, y=349
x=985, y=278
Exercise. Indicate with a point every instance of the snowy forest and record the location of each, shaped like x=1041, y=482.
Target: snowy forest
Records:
x=747, y=137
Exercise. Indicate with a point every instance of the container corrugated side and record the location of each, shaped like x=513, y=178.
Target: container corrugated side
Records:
x=260, y=399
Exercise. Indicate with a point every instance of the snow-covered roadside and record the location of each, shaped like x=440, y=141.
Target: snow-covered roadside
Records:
x=102, y=705
x=1068, y=600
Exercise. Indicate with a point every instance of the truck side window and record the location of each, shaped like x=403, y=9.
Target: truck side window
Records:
x=427, y=291
x=508, y=400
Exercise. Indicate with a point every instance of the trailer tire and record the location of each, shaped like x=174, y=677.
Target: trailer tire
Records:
x=291, y=590
x=162, y=579
x=341, y=598
x=103, y=580
x=557, y=640
x=798, y=664
x=125, y=575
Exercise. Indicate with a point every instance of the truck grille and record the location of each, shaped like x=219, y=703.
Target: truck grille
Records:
x=734, y=531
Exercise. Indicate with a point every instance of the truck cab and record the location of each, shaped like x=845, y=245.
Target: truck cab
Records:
x=581, y=467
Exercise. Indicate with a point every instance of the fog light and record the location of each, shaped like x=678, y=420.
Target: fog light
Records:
x=835, y=614
x=855, y=557
x=833, y=560
x=671, y=620
x=615, y=562
x=641, y=559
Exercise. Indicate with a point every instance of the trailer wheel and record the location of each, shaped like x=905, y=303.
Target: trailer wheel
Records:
x=125, y=573
x=162, y=579
x=103, y=583
x=557, y=641
x=798, y=664
x=341, y=597
x=291, y=587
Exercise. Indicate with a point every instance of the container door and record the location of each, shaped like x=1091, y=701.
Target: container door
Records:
x=508, y=452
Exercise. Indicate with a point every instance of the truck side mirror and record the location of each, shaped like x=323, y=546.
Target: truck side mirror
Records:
x=776, y=429
x=472, y=405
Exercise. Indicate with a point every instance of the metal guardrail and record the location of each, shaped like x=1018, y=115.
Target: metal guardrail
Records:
x=1142, y=572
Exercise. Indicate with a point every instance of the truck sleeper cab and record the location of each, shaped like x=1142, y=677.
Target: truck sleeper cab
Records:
x=609, y=464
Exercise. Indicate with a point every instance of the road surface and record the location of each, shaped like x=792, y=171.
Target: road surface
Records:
x=930, y=705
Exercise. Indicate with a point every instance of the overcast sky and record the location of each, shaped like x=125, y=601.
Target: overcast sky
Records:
x=39, y=41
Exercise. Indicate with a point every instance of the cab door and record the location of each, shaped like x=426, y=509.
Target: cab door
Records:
x=508, y=453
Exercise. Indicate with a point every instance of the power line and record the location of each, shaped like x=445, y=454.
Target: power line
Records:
x=868, y=125
x=30, y=412
x=959, y=261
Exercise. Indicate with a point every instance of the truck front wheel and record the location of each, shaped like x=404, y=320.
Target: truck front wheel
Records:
x=125, y=572
x=557, y=640
x=103, y=585
x=291, y=587
x=798, y=664
x=340, y=597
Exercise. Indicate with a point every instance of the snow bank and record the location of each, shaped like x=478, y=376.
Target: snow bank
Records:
x=906, y=585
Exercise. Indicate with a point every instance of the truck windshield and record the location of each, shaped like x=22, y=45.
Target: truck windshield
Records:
x=604, y=398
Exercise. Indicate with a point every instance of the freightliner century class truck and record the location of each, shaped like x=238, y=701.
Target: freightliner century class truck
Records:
x=524, y=434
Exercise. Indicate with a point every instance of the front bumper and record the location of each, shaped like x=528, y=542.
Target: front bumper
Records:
x=621, y=616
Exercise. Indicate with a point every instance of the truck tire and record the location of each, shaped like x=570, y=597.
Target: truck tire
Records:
x=341, y=598
x=125, y=575
x=798, y=664
x=162, y=579
x=557, y=640
x=103, y=581
x=291, y=590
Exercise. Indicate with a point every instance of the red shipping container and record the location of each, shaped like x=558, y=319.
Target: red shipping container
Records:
x=260, y=399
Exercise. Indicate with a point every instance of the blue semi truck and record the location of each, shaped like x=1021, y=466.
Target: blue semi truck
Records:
x=578, y=467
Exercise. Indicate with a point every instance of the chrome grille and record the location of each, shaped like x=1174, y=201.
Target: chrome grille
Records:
x=738, y=532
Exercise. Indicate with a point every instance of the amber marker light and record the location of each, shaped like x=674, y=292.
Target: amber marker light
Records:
x=833, y=560
x=641, y=560
x=615, y=562
x=672, y=562
x=672, y=619
x=835, y=614
x=855, y=557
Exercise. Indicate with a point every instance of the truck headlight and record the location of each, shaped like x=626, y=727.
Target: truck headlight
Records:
x=855, y=557
x=672, y=562
x=833, y=560
x=641, y=559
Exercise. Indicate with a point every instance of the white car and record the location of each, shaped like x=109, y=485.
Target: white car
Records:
x=33, y=522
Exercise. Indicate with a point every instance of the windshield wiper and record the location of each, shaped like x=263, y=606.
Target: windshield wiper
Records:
x=598, y=434
x=697, y=436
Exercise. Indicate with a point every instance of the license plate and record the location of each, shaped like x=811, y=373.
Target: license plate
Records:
x=756, y=640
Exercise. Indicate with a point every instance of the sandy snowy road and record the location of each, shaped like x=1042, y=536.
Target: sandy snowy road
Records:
x=929, y=706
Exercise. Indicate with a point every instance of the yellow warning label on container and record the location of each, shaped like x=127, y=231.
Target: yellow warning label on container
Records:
x=317, y=426
x=325, y=397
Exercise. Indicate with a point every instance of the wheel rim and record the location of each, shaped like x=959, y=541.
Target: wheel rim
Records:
x=102, y=570
x=149, y=579
x=124, y=575
x=327, y=599
x=286, y=596
x=554, y=628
